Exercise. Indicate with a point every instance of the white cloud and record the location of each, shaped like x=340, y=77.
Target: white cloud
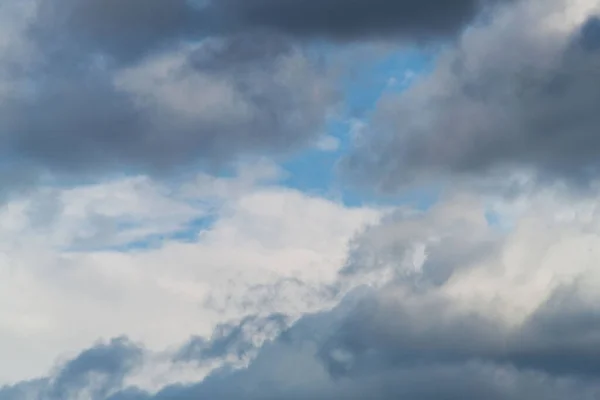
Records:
x=62, y=288
x=484, y=312
x=506, y=270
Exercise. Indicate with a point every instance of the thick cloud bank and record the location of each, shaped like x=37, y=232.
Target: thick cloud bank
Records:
x=98, y=86
x=127, y=30
x=455, y=308
x=356, y=19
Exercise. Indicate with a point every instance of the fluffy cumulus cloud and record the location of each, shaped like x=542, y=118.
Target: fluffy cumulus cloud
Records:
x=163, y=250
x=516, y=92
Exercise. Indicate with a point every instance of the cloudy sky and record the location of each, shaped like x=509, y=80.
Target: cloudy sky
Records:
x=298, y=199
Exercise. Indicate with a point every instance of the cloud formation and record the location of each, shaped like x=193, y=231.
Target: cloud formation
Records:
x=129, y=30
x=153, y=261
x=99, y=87
x=93, y=86
x=518, y=322
x=204, y=104
x=350, y=20
x=518, y=93
x=240, y=288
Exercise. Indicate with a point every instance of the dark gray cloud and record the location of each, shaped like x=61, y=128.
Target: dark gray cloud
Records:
x=124, y=30
x=590, y=34
x=129, y=30
x=348, y=20
x=103, y=86
x=517, y=94
x=90, y=91
x=558, y=340
x=226, y=98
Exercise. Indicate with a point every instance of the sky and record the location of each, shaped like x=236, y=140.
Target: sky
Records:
x=296, y=199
